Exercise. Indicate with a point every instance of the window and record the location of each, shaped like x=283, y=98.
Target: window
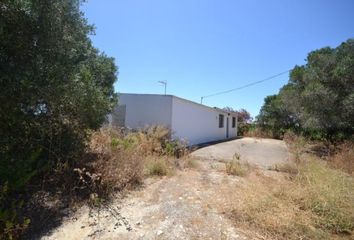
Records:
x=221, y=121
x=233, y=122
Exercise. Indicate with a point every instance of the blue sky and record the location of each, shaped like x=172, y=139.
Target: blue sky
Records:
x=205, y=46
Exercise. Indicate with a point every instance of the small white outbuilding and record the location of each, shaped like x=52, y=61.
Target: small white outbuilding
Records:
x=189, y=121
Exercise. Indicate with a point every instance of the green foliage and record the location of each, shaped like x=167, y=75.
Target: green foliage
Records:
x=55, y=87
x=274, y=116
x=127, y=142
x=170, y=148
x=174, y=148
x=11, y=225
x=319, y=98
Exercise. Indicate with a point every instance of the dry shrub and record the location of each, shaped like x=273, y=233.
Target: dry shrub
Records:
x=339, y=156
x=289, y=167
x=343, y=159
x=121, y=157
x=151, y=139
x=116, y=163
x=155, y=140
x=294, y=141
x=317, y=202
x=120, y=169
x=290, y=136
x=157, y=167
x=258, y=133
x=167, y=165
x=236, y=168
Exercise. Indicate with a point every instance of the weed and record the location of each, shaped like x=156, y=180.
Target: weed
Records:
x=235, y=167
x=237, y=156
x=114, y=142
x=314, y=204
x=343, y=159
x=329, y=195
x=157, y=167
x=258, y=133
x=288, y=167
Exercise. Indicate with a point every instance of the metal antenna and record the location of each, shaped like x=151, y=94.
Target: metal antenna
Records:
x=164, y=83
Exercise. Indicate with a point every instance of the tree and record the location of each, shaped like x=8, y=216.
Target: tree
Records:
x=319, y=97
x=244, y=119
x=325, y=89
x=274, y=116
x=55, y=86
x=243, y=116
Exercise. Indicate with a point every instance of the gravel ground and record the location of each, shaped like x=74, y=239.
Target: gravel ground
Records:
x=188, y=205
x=192, y=204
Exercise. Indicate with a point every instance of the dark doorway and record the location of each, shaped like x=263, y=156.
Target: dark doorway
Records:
x=227, y=127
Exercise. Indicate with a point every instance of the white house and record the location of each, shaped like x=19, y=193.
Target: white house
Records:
x=190, y=121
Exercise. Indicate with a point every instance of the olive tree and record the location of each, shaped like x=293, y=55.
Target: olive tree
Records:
x=55, y=86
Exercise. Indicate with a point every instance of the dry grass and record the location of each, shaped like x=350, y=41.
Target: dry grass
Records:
x=289, y=167
x=157, y=167
x=329, y=194
x=339, y=156
x=266, y=206
x=258, y=133
x=167, y=165
x=116, y=162
x=307, y=200
x=236, y=168
x=343, y=159
x=122, y=159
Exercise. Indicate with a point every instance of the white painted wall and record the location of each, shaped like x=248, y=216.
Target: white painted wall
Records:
x=188, y=120
x=145, y=109
x=197, y=123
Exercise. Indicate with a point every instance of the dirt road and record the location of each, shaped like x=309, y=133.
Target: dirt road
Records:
x=192, y=204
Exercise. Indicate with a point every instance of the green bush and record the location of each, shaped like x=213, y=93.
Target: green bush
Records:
x=11, y=224
x=55, y=88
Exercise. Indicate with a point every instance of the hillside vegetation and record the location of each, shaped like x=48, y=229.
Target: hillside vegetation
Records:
x=305, y=199
x=318, y=101
x=314, y=113
x=55, y=89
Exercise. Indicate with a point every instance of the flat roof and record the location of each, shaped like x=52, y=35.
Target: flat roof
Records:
x=183, y=99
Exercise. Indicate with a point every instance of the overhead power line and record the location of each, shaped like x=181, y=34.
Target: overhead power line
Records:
x=244, y=86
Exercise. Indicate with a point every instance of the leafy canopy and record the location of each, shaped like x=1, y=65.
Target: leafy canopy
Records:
x=55, y=86
x=319, y=96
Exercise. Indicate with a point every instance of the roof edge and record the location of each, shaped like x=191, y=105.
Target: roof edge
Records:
x=183, y=99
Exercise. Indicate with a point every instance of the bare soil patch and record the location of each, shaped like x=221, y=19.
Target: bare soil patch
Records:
x=189, y=205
